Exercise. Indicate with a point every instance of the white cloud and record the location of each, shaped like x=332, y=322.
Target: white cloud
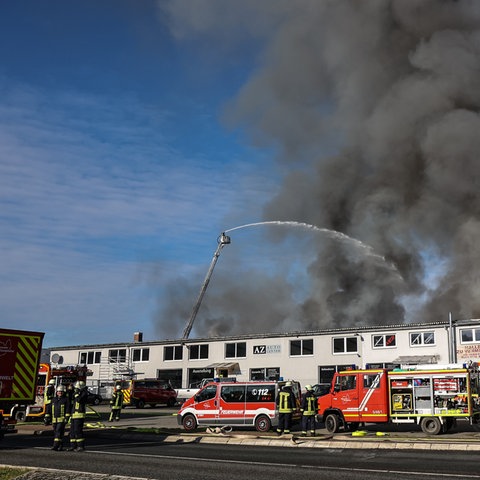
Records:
x=90, y=189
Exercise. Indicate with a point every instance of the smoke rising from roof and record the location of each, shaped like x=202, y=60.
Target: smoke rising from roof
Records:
x=374, y=109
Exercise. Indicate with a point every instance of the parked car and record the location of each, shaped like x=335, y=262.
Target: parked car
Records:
x=321, y=389
x=94, y=398
x=148, y=391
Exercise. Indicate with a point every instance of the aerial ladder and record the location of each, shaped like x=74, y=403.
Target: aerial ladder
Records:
x=222, y=240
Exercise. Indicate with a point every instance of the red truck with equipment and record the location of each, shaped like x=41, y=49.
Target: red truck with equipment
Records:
x=433, y=397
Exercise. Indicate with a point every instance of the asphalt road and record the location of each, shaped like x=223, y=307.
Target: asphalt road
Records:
x=157, y=460
x=123, y=451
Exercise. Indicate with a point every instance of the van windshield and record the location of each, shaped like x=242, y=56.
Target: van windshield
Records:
x=206, y=394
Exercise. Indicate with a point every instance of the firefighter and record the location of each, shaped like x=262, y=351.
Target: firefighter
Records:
x=308, y=409
x=60, y=411
x=116, y=403
x=48, y=396
x=70, y=392
x=285, y=402
x=79, y=412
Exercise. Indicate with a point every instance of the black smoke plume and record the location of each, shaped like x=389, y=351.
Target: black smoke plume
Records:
x=373, y=107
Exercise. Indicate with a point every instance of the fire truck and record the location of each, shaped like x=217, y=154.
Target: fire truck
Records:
x=63, y=375
x=20, y=353
x=434, y=398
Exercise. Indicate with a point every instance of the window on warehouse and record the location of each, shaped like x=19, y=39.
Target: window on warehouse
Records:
x=422, y=338
x=117, y=355
x=236, y=350
x=384, y=341
x=470, y=335
x=140, y=354
x=173, y=352
x=342, y=345
x=88, y=358
x=301, y=348
x=198, y=352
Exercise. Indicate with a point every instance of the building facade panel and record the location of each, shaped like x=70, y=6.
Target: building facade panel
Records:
x=309, y=357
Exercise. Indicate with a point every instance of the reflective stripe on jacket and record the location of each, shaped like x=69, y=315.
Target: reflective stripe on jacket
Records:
x=309, y=404
x=60, y=409
x=117, y=399
x=285, y=402
x=49, y=394
x=79, y=407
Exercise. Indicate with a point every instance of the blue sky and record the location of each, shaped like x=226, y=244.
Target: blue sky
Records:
x=134, y=132
x=115, y=164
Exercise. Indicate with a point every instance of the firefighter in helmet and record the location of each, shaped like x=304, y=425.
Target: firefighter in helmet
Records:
x=70, y=391
x=116, y=403
x=48, y=396
x=309, y=410
x=79, y=412
x=60, y=410
x=286, y=404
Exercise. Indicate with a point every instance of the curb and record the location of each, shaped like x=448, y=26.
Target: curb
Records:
x=326, y=441
x=329, y=441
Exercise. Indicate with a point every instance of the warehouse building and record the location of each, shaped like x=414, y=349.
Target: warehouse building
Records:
x=307, y=356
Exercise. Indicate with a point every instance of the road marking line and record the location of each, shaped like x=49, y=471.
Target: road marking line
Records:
x=289, y=465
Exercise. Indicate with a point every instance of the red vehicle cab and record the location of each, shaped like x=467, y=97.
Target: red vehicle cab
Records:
x=235, y=403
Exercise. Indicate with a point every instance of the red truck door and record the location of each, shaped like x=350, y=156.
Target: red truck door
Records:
x=373, y=397
x=345, y=396
x=362, y=396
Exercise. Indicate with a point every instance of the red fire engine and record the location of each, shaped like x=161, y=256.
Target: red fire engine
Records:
x=434, y=398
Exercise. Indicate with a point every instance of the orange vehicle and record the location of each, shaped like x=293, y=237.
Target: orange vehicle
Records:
x=433, y=398
x=235, y=403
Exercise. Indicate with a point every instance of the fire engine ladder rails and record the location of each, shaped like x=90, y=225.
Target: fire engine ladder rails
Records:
x=222, y=240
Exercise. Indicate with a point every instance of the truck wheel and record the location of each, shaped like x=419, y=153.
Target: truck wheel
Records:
x=140, y=403
x=262, y=423
x=431, y=425
x=189, y=422
x=171, y=402
x=20, y=416
x=332, y=423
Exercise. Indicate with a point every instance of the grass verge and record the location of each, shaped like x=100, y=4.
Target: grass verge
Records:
x=7, y=473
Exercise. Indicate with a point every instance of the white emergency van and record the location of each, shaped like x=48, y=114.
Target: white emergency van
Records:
x=236, y=404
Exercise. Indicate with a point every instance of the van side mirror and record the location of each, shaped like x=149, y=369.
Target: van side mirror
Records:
x=336, y=388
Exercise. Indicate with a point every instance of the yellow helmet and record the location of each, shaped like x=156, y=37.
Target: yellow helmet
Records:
x=309, y=388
